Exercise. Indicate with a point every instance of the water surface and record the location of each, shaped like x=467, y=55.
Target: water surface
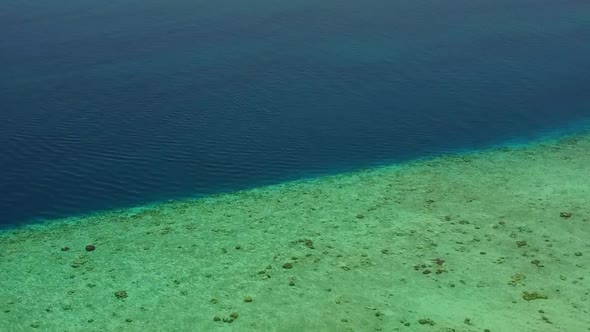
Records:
x=108, y=105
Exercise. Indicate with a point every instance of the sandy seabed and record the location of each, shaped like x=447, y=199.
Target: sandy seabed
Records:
x=497, y=240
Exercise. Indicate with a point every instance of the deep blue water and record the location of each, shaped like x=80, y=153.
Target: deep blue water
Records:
x=113, y=104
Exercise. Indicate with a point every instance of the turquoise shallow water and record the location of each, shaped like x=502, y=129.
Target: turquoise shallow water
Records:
x=483, y=241
x=117, y=104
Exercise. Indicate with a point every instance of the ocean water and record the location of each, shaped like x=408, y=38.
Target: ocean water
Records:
x=113, y=104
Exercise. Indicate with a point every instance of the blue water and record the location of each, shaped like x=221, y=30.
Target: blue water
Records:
x=118, y=103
